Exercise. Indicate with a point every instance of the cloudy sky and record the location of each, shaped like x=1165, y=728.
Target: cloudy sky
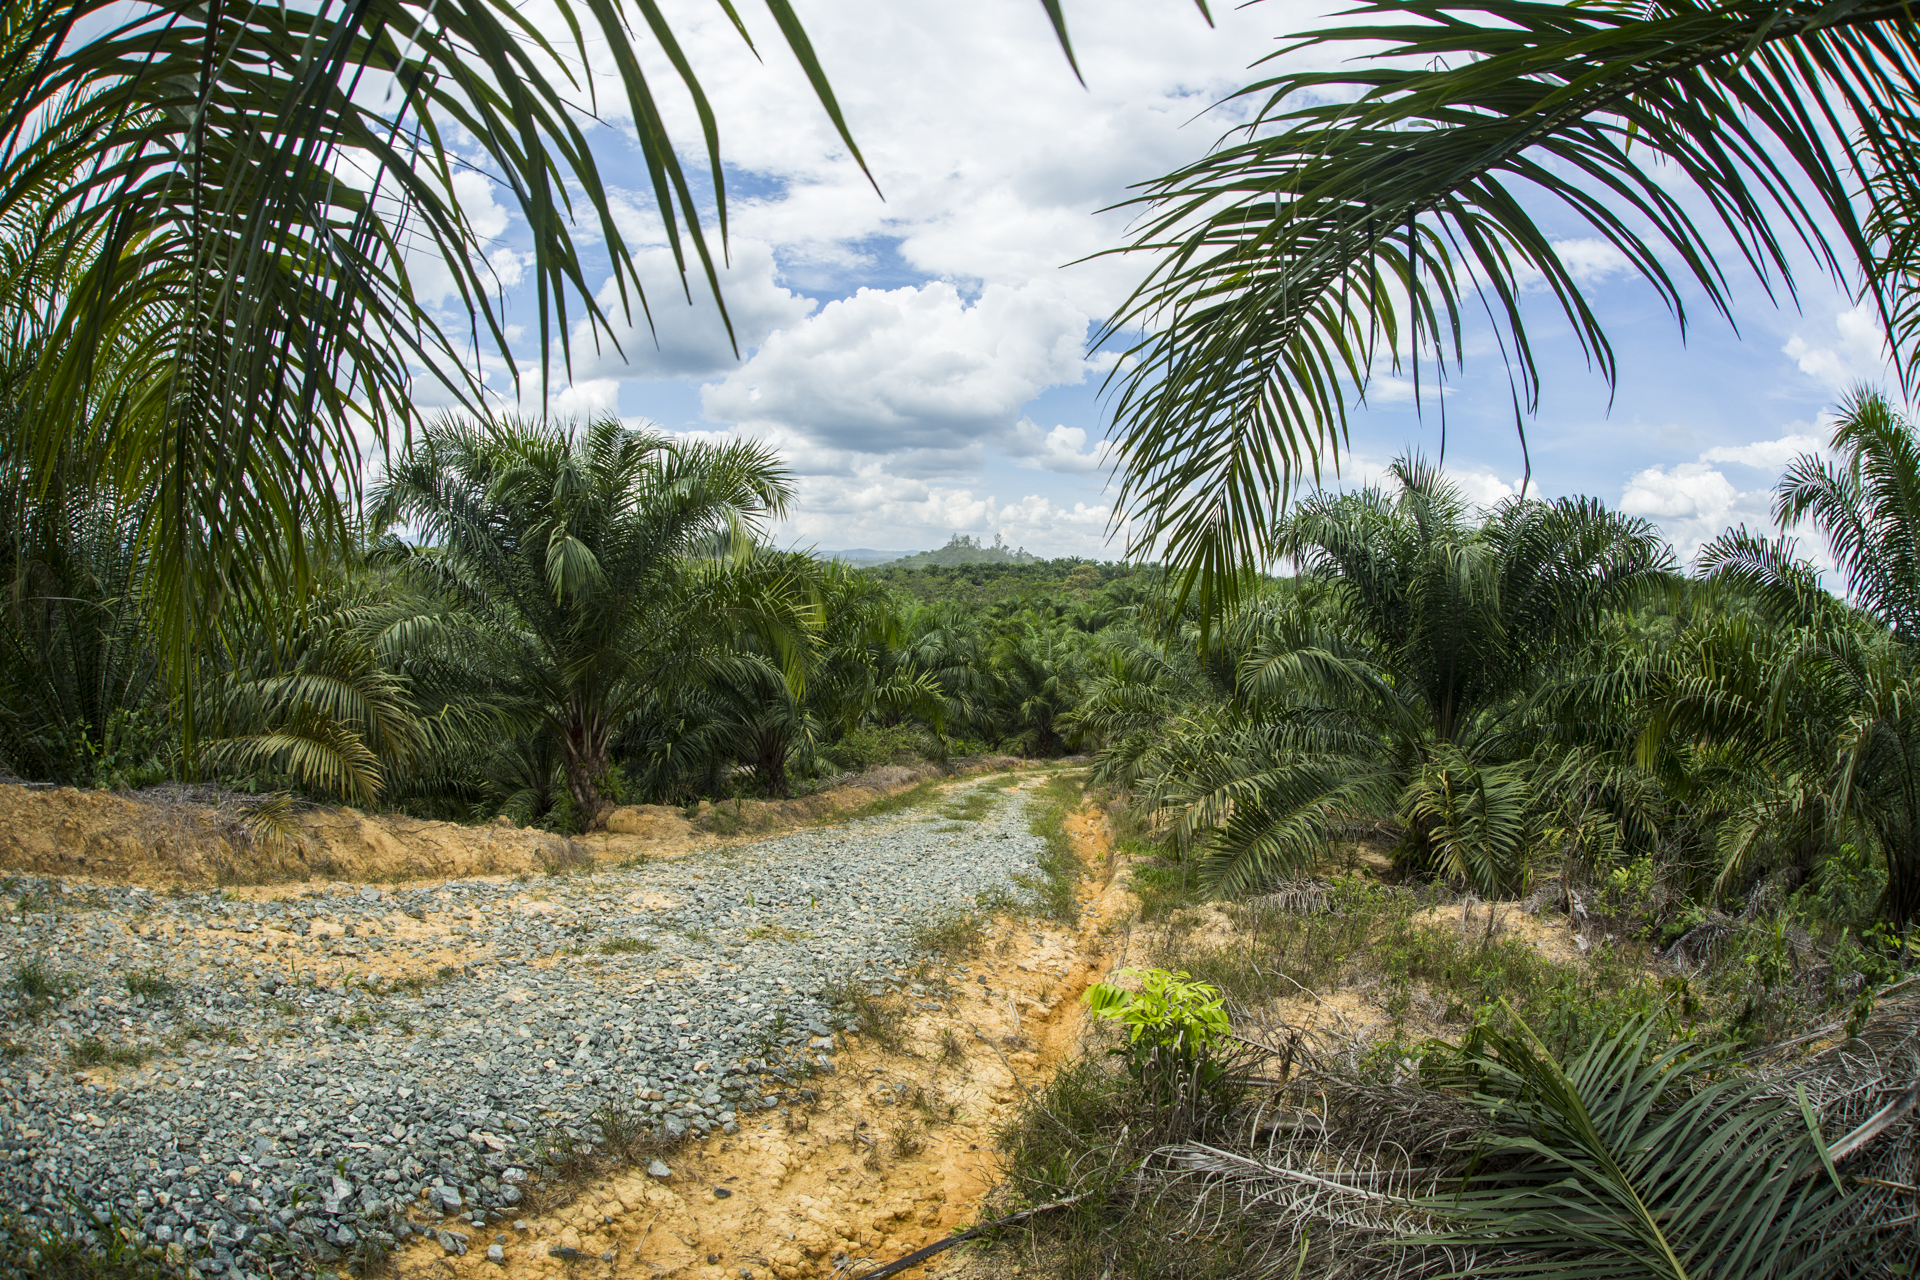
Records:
x=919, y=355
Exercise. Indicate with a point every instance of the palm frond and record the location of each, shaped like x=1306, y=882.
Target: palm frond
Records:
x=1634, y=1162
x=1366, y=212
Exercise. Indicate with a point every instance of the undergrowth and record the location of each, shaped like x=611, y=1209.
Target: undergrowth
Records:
x=1084, y=1133
x=953, y=937
x=1056, y=890
x=81, y=1251
x=1439, y=974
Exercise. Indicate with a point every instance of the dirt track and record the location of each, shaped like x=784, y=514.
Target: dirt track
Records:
x=889, y=1150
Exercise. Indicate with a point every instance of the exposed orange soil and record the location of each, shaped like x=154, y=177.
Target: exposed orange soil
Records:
x=896, y=1151
x=160, y=841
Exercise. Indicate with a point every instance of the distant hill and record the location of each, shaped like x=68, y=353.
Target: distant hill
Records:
x=861, y=556
x=964, y=549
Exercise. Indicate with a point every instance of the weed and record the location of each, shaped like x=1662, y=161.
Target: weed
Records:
x=616, y=1139
x=731, y=818
x=776, y=933
x=997, y=901
x=876, y=1019
x=36, y=987
x=35, y=980
x=85, y=1251
x=954, y=937
x=205, y=1033
x=766, y=1041
x=933, y=1108
x=286, y=1008
x=151, y=984
x=908, y=1138
x=953, y=1050
x=970, y=805
x=359, y=1020
x=920, y=793
x=626, y=947
x=1165, y=885
x=415, y=983
x=94, y=1052
x=696, y=934
x=1056, y=889
x=565, y=857
x=1372, y=936
x=1084, y=1133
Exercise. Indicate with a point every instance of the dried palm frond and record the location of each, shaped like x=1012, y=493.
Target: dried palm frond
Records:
x=1864, y=1091
x=1296, y=897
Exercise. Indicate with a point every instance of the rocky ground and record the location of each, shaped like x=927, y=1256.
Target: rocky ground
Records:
x=262, y=1079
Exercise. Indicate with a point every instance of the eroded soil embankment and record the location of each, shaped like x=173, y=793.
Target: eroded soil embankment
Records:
x=163, y=839
x=893, y=1152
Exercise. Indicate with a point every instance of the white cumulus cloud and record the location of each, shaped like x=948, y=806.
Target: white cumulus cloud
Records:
x=1063, y=448
x=918, y=367
x=1693, y=502
x=1849, y=349
x=688, y=337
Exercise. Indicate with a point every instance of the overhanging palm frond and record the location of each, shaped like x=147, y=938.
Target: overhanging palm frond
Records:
x=1366, y=212
x=249, y=190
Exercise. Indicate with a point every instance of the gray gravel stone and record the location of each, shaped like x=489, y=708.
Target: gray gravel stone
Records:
x=296, y=1109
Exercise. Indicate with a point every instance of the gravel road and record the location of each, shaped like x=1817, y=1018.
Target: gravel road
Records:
x=325, y=1056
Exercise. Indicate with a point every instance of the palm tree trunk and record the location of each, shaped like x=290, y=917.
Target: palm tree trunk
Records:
x=770, y=763
x=1902, y=906
x=583, y=757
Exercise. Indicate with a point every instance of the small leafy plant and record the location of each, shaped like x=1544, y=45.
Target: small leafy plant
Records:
x=1174, y=1026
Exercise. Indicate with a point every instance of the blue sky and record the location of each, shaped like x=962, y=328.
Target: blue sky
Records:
x=919, y=360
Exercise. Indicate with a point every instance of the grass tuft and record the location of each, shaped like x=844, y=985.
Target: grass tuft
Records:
x=626, y=947
x=36, y=987
x=151, y=984
x=95, y=1052
x=879, y=1020
x=87, y=1252
x=953, y=937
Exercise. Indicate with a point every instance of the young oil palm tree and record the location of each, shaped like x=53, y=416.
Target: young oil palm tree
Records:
x=1401, y=689
x=568, y=552
x=1834, y=716
x=1866, y=503
x=1365, y=212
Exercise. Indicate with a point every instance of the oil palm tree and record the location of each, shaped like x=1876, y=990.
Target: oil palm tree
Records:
x=570, y=555
x=1866, y=503
x=1365, y=212
x=1837, y=711
x=1401, y=689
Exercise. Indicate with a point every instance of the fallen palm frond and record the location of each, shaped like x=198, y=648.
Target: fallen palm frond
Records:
x=1622, y=1159
x=1864, y=1089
